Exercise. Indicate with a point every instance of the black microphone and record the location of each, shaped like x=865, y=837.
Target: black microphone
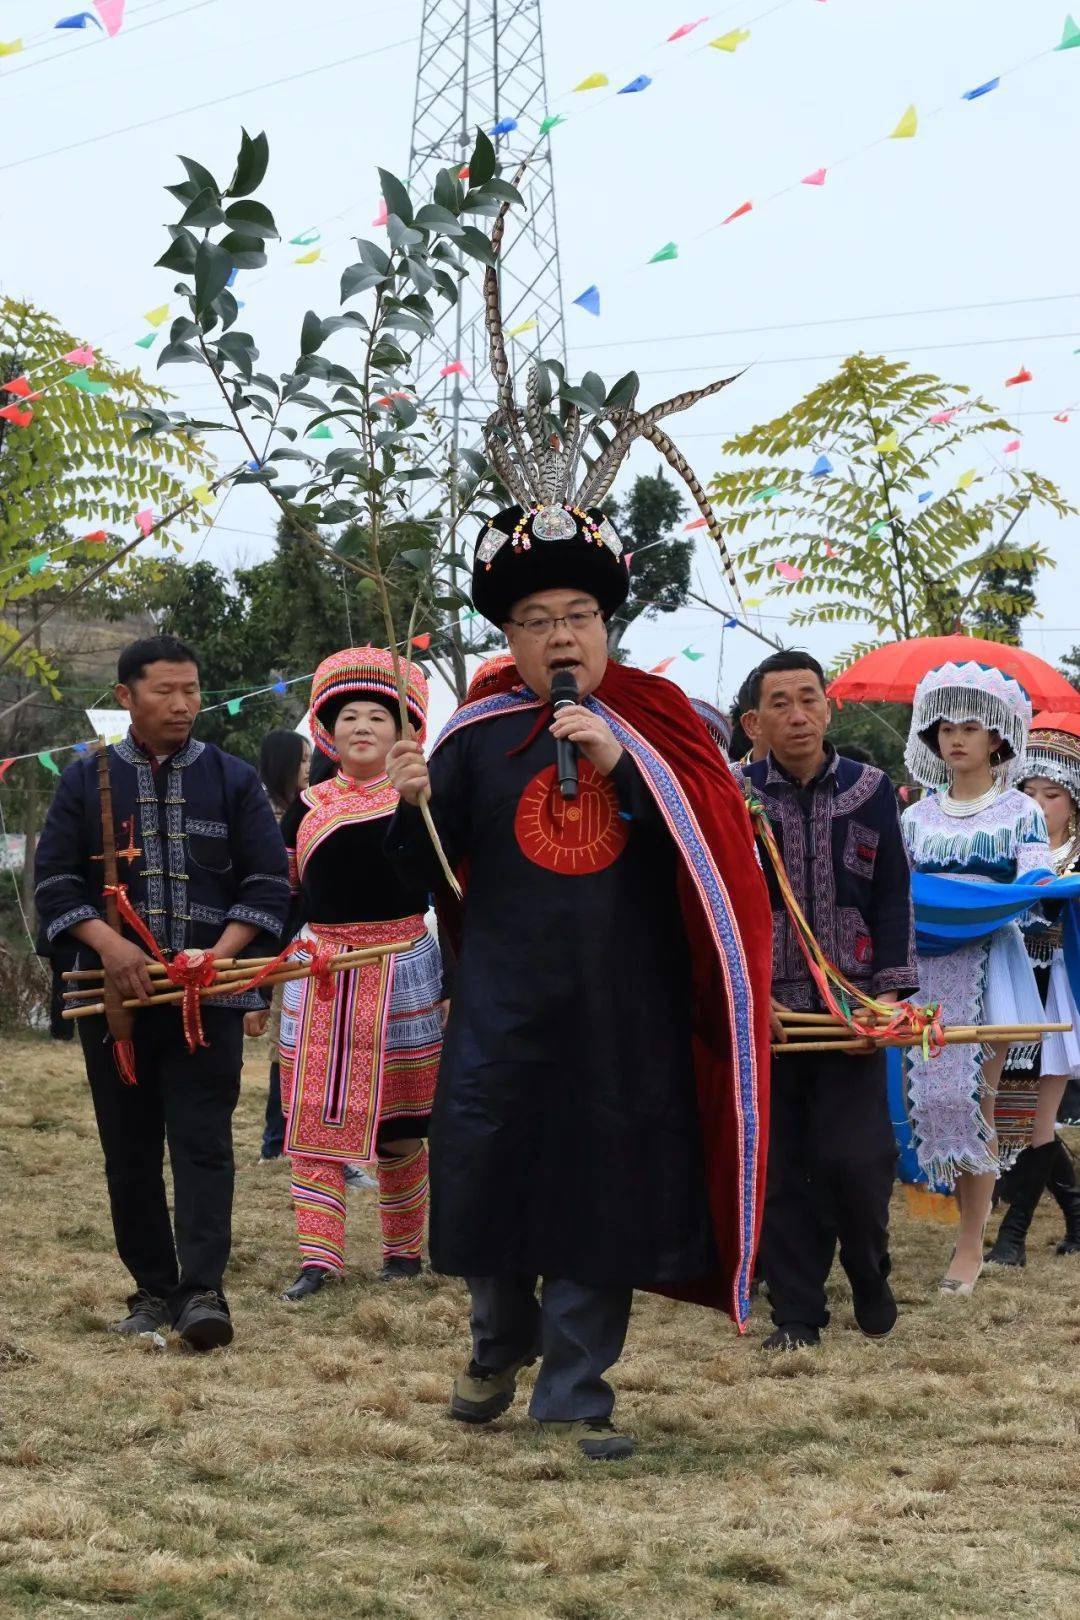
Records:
x=564, y=694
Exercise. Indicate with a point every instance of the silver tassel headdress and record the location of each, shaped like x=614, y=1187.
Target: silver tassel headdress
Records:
x=960, y=692
x=556, y=535
x=1053, y=752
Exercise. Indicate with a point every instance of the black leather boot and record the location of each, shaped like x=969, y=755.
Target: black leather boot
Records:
x=310, y=1280
x=1027, y=1182
x=1063, y=1188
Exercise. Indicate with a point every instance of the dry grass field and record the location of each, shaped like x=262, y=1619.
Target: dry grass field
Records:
x=311, y=1470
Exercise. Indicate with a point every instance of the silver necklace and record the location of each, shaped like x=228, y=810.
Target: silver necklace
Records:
x=1063, y=856
x=959, y=808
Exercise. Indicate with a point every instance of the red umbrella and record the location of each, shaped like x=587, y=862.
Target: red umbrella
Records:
x=891, y=673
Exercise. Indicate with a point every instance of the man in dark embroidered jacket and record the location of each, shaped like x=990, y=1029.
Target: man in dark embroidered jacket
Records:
x=831, y=1155
x=206, y=870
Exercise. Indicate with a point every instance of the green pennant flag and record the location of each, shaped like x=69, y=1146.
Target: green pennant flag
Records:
x=233, y=705
x=668, y=251
x=765, y=494
x=551, y=121
x=693, y=656
x=36, y=564
x=305, y=238
x=146, y=342
x=876, y=528
x=46, y=759
x=1070, y=36
x=320, y=432
x=79, y=379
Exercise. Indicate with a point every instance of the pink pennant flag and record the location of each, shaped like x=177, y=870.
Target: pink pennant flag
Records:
x=940, y=418
x=815, y=178
x=665, y=663
x=743, y=208
x=830, y=551
x=698, y=523
x=145, y=520
x=1022, y=376
x=83, y=355
x=454, y=369
x=111, y=13
x=5, y=766
x=684, y=29
x=1013, y=444
x=789, y=572
x=1062, y=416
x=383, y=215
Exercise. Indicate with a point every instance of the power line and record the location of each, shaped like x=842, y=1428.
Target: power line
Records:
x=833, y=320
x=843, y=354
x=202, y=106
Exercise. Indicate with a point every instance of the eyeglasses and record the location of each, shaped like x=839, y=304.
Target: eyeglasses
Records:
x=540, y=625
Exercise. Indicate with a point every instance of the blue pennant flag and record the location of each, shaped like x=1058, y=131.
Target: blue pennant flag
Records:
x=642, y=82
x=821, y=467
x=980, y=90
x=590, y=300
x=78, y=19
x=925, y=496
x=503, y=127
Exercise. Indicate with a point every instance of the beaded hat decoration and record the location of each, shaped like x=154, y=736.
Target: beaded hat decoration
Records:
x=356, y=672
x=487, y=674
x=717, y=723
x=539, y=455
x=960, y=692
x=1053, y=751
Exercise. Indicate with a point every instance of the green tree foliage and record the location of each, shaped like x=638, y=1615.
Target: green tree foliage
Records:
x=73, y=468
x=660, y=576
x=868, y=548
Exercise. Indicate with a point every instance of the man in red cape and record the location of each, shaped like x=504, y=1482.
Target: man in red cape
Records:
x=600, y=1121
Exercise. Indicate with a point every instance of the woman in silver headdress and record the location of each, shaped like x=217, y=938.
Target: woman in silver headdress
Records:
x=968, y=732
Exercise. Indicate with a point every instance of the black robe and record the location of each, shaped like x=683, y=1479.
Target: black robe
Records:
x=565, y=1138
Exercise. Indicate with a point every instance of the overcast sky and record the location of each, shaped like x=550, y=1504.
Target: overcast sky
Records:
x=978, y=209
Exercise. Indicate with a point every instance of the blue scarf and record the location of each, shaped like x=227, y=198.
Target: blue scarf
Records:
x=951, y=912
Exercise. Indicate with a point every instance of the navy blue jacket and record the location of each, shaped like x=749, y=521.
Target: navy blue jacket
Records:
x=210, y=850
x=844, y=855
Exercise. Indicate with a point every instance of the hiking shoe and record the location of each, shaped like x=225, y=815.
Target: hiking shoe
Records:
x=597, y=1438
x=792, y=1336
x=310, y=1280
x=398, y=1268
x=147, y=1314
x=875, y=1309
x=204, y=1322
x=481, y=1395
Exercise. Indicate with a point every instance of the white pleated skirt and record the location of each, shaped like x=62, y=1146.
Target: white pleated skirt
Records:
x=1061, y=1053
x=1011, y=992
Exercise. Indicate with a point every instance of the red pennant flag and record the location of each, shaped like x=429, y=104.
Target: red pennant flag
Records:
x=1062, y=416
x=382, y=216
x=463, y=172
x=96, y=536
x=743, y=208
x=658, y=669
x=20, y=386
x=456, y=368
x=1022, y=376
x=12, y=413
x=423, y=642
x=5, y=765
x=698, y=523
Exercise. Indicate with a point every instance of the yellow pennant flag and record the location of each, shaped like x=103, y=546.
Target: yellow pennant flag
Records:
x=731, y=41
x=966, y=479
x=907, y=126
x=751, y=601
x=155, y=317
x=309, y=258
x=595, y=81
x=525, y=326
x=11, y=48
x=202, y=494
x=889, y=444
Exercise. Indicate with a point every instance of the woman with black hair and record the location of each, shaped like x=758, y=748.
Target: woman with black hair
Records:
x=283, y=770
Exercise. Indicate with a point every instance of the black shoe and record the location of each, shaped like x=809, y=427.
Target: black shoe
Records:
x=310, y=1280
x=1027, y=1181
x=875, y=1309
x=146, y=1314
x=204, y=1323
x=1063, y=1188
x=792, y=1336
x=398, y=1267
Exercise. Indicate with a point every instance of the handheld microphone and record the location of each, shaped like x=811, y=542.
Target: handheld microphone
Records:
x=564, y=694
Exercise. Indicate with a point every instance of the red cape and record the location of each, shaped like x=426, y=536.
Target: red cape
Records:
x=733, y=1096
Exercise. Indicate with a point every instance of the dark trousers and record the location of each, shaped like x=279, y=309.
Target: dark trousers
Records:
x=832, y=1159
x=579, y=1331
x=273, y=1140
x=186, y=1101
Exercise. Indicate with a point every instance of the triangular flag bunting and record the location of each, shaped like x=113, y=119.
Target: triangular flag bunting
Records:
x=144, y=521
x=765, y=494
x=10, y=47
x=907, y=126
x=688, y=652
x=551, y=122
x=731, y=624
x=926, y=495
x=5, y=766
x=505, y=126
x=46, y=759
x=19, y=386
x=642, y=82
x=157, y=316
x=684, y=29
x=78, y=379
x=422, y=642
x=383, y=215
x=280, y=688
x=821, y=468
x=146, y=342
x=523, y=326
x=82, y=355
x=668, y=251
x=966, y=479
x=940, y=418
x=233, y=705
x=815, y=178
x=305, y=238
x=309, y=258
x=1062, y=416
x=96, y=537
x=743, y=208
x=16, y=415
x=665, y=663
x=731, y=40
x=595, y=81
x=1070, y=36
x=36, y=564
x=698, y=523
x=980, y=90
x=454, y=368
x=1013, y=444
x=789, y=572
x=203, y=494
x=888, y=444
x=589, y=299
x=321, y=432
x=1022, y=376
x=78, y=20
x=111, y=13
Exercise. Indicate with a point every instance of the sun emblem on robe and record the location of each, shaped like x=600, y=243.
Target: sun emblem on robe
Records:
x=571, y=836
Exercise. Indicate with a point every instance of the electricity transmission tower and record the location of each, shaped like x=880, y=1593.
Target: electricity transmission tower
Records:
x=481, y=62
